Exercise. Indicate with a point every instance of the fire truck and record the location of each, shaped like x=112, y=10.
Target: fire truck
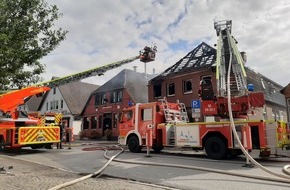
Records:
x=168, y=125
x=19, y=129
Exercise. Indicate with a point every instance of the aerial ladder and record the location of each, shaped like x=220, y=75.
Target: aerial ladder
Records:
x=229, y=60
x=18, y=130
x=230, y=79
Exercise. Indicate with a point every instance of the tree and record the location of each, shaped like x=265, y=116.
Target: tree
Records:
x=27, y=33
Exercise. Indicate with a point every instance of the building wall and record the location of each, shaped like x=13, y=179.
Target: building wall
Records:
x=286, y=92
x=274, y=111
x=55, y=103
x=94, y=115
x=178, y=80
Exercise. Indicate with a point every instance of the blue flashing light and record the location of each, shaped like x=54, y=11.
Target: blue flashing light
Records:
x=251, y=87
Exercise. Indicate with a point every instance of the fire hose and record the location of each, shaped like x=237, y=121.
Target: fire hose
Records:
x=232, y=124
x=60, y=186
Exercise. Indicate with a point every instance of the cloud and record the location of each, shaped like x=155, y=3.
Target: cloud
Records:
x=105, y=31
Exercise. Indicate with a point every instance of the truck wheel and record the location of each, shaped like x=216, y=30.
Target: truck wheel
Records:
x=2, y=143
x=133, y=144
x=235, y=153
x=157, y=148
x=215, y=148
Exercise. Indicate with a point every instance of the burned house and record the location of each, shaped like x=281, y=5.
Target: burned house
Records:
x=182, y=80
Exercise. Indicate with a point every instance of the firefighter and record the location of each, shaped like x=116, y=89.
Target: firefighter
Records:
x=61, y=132
x=68, y=137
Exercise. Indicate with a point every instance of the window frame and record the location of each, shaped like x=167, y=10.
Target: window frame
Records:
x=184, y=83
x=154, y=90
x=170, y=87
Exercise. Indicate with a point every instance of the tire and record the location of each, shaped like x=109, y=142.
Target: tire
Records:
x=215, y=148
x=157, y=148
x=2, y=144
x=235, y=153
x=133, y=144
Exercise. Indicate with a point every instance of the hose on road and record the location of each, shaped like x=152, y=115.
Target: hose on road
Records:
x=232, y=125
x=60, y=186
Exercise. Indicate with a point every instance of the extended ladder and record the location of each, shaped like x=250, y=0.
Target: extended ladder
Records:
x=147, y=55
x=228, y=54
x=85, y=74
x=174, y=115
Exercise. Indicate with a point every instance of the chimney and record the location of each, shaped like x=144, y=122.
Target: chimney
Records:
x=135, y=68
x=244, y=57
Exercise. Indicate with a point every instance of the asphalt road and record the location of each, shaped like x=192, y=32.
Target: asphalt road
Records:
x=81, y=161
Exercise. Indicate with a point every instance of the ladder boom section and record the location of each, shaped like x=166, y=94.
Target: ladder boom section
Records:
x=229, y=62
x=88, y=73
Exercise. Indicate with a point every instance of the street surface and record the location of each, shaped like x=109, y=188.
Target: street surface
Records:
x=85, y=159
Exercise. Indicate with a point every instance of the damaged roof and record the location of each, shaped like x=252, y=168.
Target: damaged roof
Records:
x=204, y=57
x=134, y=82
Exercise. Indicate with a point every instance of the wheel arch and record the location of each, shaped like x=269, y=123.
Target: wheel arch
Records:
x=214, y=134
x=133, y=133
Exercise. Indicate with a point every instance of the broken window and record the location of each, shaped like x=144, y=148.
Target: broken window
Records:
x=187, y=86
x=157, y=90
x=170, y=89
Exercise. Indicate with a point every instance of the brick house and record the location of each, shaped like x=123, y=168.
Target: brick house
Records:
x=104, y=105
x=181, y=82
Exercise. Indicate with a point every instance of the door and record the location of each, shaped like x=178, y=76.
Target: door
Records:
x=107, y=122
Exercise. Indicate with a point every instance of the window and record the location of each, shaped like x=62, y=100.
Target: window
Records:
x=187, y=86
x=206, y=89
x=288, y=101
x=54, y=90
x=146, y=114
x=54, y=105
x=104, y=99
x=85, y=123
x=119, y=96
x=46, y=106
x=157, y=90
x=61, y=103
x=97, y=100
x=113, y=97
x=170, y=89
x=93, y=122
x=127, y=116
x=100, y=121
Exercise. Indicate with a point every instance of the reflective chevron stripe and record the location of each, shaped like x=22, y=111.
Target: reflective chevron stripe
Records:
x=37, y=135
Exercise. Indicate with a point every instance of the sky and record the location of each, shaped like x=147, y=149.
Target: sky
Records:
x=106, y=31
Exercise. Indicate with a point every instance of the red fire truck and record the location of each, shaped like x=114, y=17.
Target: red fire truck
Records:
x=17, y=129
x=169, y=124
